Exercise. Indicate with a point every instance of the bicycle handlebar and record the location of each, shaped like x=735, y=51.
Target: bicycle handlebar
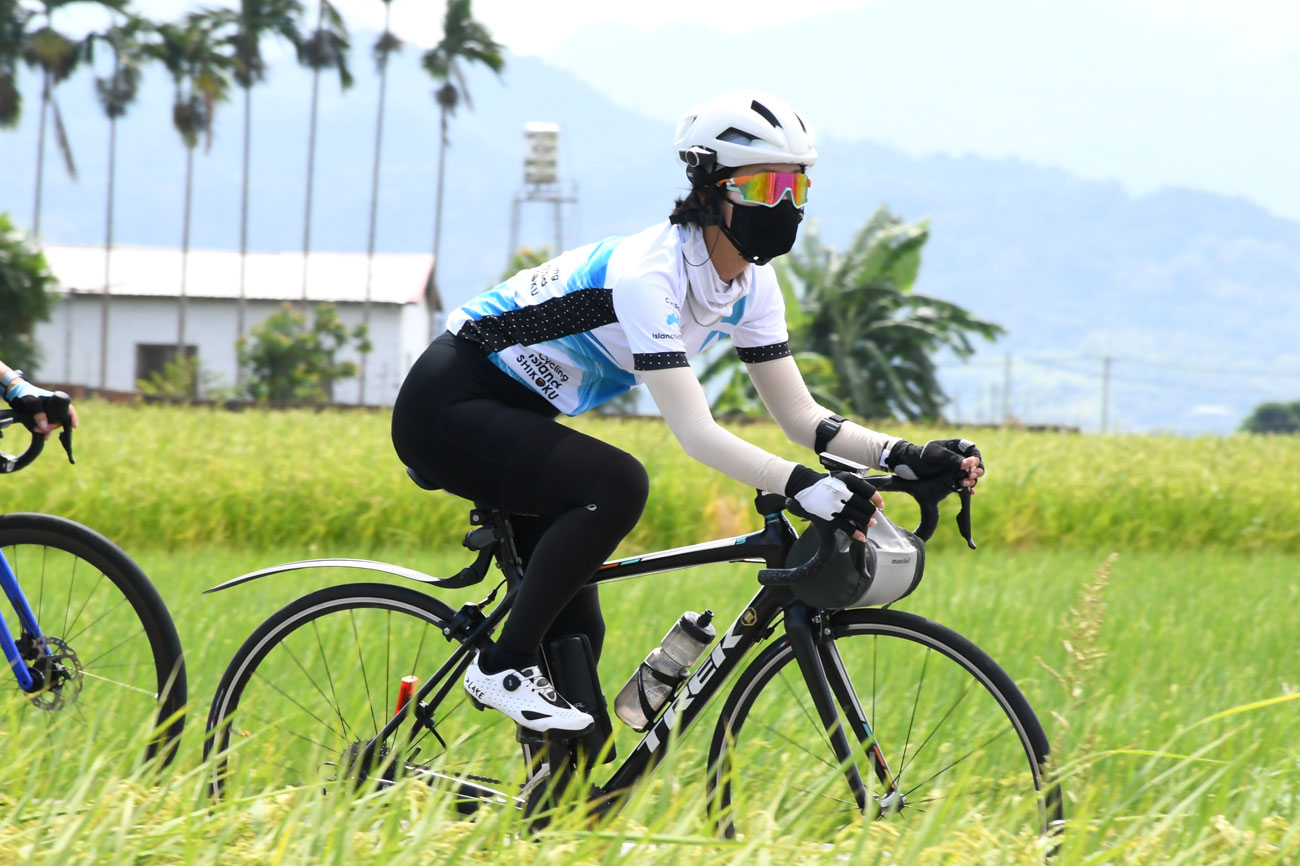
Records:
x=56, y=411
x=927, y=492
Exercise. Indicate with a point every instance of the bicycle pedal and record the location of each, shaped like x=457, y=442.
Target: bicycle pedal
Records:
x=477, y=704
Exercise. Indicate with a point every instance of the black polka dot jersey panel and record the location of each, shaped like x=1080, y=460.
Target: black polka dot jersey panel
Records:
x=759, y=354
x=552, y=319
x=660, y=360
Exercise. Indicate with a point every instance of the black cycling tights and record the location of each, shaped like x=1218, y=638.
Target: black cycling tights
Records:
x=468, y=427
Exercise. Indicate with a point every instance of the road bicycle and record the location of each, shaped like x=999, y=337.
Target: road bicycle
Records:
x=835, y=715
x=88, y=640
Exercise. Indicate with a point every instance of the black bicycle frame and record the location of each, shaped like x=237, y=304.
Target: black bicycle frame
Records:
x=769, y=546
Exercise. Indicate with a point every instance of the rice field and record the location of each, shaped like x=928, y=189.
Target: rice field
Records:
x=156, y=476
x=1168, y=679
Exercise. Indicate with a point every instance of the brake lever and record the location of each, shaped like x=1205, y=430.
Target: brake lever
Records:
x=963, y=517
x=65, y=439
x=56, y=410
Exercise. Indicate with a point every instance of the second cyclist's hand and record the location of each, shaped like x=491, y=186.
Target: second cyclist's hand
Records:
x=844, y=499
x=33, y=400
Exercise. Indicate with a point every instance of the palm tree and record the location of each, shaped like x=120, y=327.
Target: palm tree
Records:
x=116, y=93
x=253, y=21
x=464, y=40
x=385, y=45
x=863, y=339
x=190, y=53
x=56, y=56
x=325, y=48
x=13, y=26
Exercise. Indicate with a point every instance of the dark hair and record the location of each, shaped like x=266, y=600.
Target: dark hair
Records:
x=700, y=206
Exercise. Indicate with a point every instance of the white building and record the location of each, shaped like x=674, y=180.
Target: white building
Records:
x=145, y=287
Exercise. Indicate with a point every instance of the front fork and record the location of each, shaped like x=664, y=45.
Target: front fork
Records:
x=27, y=622
x=828, y=683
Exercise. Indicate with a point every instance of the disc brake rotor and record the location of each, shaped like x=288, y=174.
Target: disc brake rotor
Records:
x=62, y=674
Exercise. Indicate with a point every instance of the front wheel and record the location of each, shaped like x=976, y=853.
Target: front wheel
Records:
x=933, y=725
x=310, y=689
x=108, y=658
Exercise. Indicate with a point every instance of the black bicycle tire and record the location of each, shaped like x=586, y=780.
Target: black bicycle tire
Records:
x=47, y=530
x=751, y=682
x=283, y=623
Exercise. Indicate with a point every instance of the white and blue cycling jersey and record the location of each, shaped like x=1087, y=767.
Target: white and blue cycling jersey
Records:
x=579, y=329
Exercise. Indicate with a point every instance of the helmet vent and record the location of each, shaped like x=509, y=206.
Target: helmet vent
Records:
x=802, y=125
x=737, y=136
x=763, y=111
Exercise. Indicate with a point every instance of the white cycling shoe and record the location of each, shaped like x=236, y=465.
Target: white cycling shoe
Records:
x=527, y=697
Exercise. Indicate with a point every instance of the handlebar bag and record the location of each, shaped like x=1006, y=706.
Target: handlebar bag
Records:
x=888, y=567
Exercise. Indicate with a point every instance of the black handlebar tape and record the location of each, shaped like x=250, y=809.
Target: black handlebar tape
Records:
x=790, y=576
x=33, y=450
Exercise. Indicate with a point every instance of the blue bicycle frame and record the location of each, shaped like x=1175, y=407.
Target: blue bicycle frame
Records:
x=26, y=618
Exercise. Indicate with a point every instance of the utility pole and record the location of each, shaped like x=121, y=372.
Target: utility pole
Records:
x=1105, y=392
x=1006, y=392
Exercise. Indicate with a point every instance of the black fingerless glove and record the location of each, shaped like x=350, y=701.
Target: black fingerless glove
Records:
x=913, y=462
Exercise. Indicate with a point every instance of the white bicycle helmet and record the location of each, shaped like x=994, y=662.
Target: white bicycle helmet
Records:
x=742, y=127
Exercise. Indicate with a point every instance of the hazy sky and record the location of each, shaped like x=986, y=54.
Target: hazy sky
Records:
x=1252, y=30
x=1196, y=93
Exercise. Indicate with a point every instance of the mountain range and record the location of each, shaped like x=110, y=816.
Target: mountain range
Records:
x=1188, y=301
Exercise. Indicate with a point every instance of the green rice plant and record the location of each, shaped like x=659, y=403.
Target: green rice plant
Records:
x=191, y=477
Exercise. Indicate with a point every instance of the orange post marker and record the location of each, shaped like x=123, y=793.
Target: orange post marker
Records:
x=404, y=692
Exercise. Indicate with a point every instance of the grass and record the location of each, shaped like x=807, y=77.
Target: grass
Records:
x=172, y=477
x=1178, y=770
x=1167, y=681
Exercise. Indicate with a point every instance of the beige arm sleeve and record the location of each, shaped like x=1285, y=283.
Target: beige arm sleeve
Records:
x=781, y=386
x=681, y=401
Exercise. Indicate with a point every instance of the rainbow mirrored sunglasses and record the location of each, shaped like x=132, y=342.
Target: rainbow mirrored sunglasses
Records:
x=769, y=187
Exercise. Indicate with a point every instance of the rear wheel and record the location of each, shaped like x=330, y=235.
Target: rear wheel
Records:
x=933, y=723
x=316, y=682
x=108, y=661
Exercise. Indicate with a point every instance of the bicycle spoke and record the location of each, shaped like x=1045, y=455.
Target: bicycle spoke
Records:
x=969, y=685
x=334, y=698
x=797, y=744
x=942, y=704
x=916, y=701
x=123, y=685
x=815, y=722
x=69, y=623
x=295, y=733
x=304, y=657
x=71, y=636
x=978, y=748
x=370, y=701
x=114, y=648
x=343, y=736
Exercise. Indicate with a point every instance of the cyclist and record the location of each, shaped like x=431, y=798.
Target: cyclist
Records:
x=23, y=395
x=476, y=412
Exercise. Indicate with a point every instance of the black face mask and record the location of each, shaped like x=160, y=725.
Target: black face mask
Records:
x=760, y=234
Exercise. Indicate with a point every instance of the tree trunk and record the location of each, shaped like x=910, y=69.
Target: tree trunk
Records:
x=243, y=222
x=185, y=252
x=108, y=255
x=311, y=171
x=40, y=156
x=374, y=202
x=437, y=214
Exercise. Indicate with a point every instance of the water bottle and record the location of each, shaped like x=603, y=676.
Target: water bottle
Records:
x=663, y=670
